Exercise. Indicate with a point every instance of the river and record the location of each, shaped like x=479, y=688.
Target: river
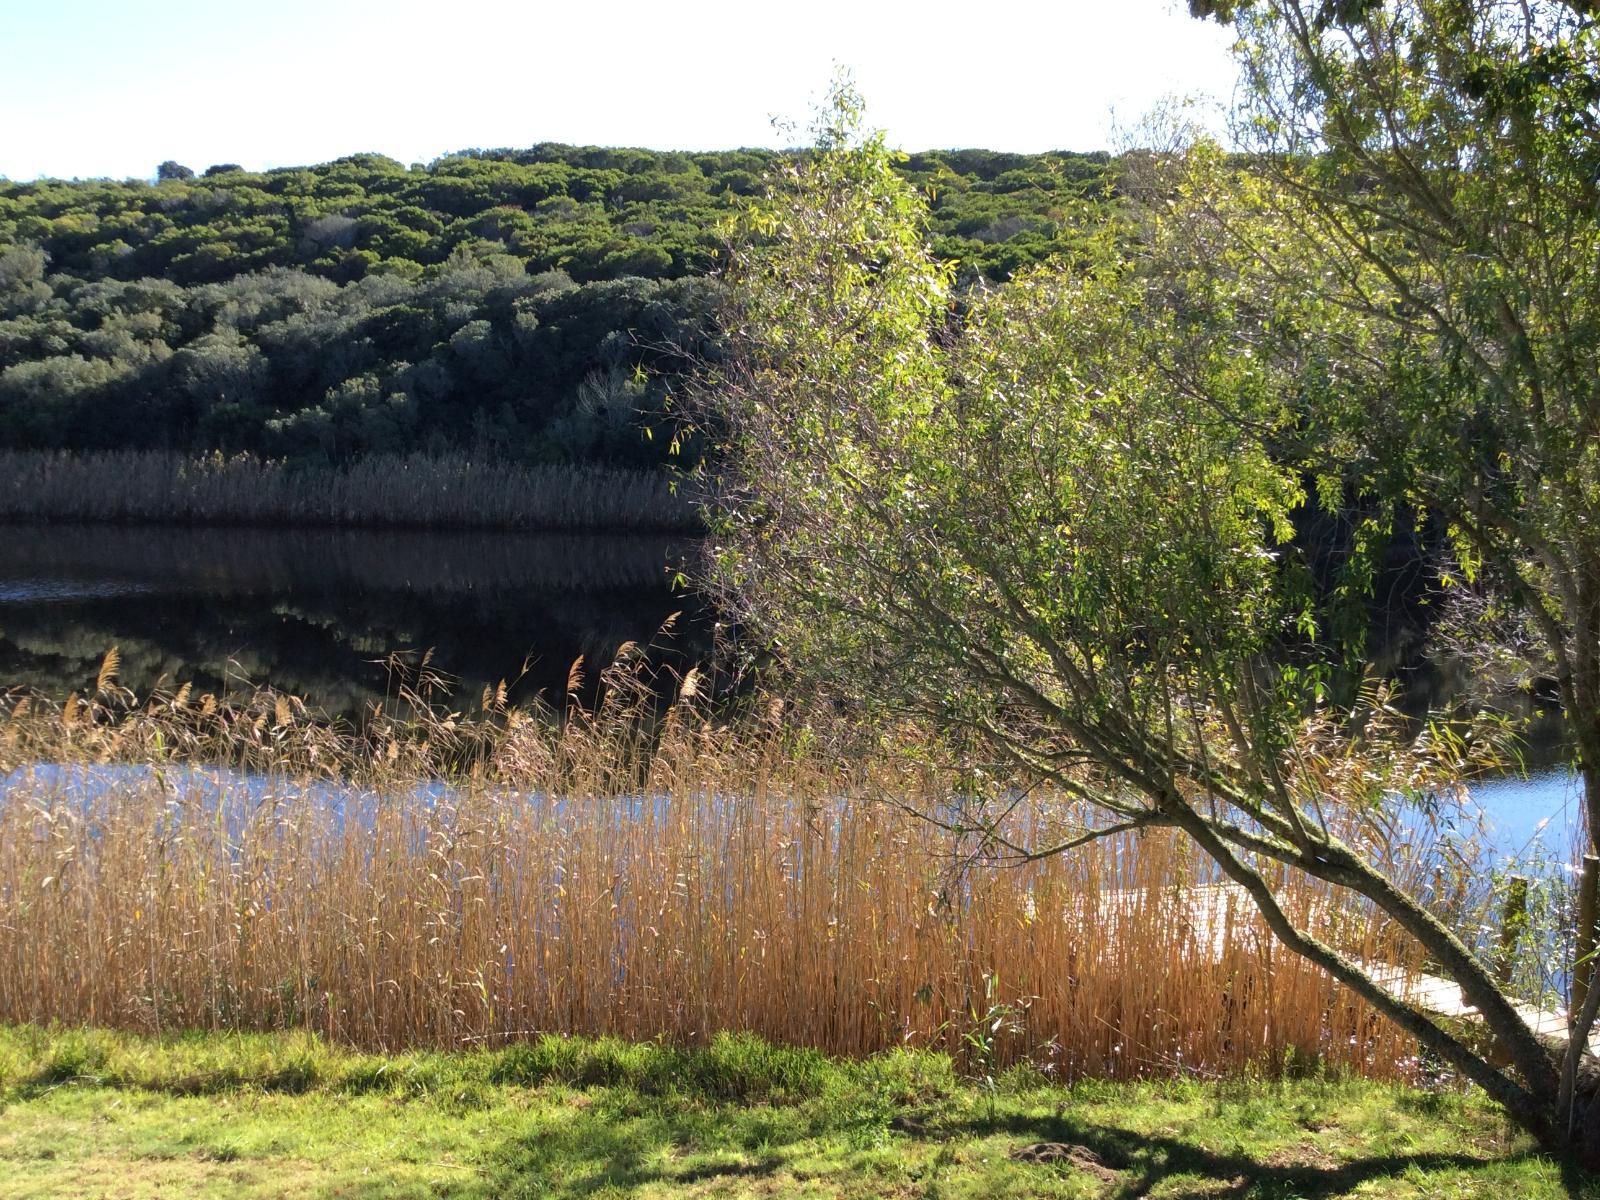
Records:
x=317, y=613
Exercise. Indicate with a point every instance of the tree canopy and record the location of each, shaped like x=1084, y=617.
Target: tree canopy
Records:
x=1430, y=173
x=500, y=300
x=1051, y=521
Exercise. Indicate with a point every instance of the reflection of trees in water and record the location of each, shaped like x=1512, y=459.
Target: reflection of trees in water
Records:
x=315, y=614
x=1433, y=680
x=1415, y=637
x=254, y=560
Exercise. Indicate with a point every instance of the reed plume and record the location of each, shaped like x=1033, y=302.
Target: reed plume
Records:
x=435, y=880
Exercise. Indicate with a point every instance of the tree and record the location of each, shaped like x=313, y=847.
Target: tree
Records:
x=170, y=170
x=1048, y=522
x=1437, y=166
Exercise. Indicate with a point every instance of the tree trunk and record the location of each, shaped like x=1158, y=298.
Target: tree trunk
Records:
x=1583, y=1140
x=1585, y=729
x=1588, y=917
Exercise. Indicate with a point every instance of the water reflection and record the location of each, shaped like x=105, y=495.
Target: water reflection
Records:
x=309, y=612
x=313, y=612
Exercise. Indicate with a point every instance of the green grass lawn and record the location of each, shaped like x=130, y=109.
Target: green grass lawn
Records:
x=86, y=1114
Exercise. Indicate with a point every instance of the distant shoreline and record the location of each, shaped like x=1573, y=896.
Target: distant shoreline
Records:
x=378, y=492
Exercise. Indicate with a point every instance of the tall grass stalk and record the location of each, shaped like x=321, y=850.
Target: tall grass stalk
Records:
x=452, y=491
x=448, y=880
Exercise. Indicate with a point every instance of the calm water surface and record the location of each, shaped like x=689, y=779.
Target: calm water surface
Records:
x=316, y=612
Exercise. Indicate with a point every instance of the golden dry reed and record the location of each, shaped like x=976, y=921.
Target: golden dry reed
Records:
x=450, y=880
x=450, y=491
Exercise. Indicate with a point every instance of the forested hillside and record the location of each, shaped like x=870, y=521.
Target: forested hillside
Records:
x=527, y=304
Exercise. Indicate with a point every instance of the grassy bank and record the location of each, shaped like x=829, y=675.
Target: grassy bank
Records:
x=88, y=1114
x=414, y=491
x=461, y=879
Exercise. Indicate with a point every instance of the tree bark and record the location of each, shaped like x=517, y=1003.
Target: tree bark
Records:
x=1530, y=1106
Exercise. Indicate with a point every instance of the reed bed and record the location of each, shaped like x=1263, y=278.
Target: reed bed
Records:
x=451, y=491
x=445, y=881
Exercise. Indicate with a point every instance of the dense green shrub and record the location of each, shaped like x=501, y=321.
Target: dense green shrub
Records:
x=501, y=302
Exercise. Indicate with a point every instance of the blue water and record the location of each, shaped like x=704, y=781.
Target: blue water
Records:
x=46, y=590
x=1516, y=818
x=1539, y=816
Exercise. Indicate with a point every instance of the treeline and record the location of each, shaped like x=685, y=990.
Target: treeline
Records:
x=531, y=305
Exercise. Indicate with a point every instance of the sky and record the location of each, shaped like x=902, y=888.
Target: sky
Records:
x=113, y=87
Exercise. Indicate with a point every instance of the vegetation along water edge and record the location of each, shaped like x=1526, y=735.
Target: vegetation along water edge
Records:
x=381, y=491
x=1047, y=740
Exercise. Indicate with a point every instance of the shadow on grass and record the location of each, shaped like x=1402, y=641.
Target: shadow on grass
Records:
x=1144, y=1160
x=662, y=1141
x=657, y=1142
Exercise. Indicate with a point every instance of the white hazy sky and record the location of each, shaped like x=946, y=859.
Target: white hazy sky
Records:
x=112, y=87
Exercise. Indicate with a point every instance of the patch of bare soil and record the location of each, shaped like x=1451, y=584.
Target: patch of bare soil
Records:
x=1306, y=1154
x=1081, y=1157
